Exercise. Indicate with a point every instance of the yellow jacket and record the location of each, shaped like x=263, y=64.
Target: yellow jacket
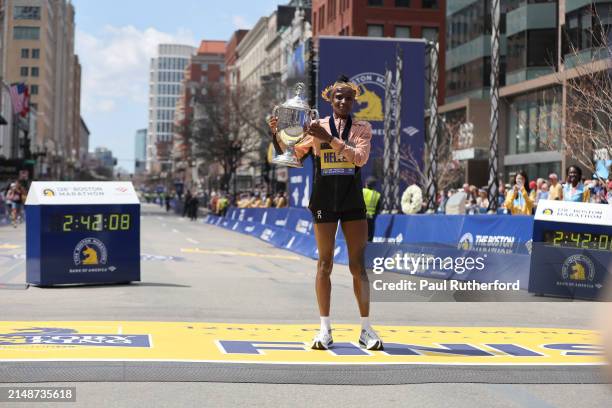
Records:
x=522, y=204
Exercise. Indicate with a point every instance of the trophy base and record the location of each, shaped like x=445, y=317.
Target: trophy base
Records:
x=284, y=160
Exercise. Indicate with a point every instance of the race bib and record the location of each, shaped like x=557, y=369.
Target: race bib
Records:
x=333, y=164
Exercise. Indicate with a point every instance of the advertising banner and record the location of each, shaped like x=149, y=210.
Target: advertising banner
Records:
x=365, y=60
x=345, y=55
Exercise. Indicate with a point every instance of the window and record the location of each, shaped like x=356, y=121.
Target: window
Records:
x=402, y=3
x=430, y=33
x=25, y=53
x=331, y=14
x=322, y=17
x=23, y=71
x=26, y=13
x=375, y=30
x=375, y=3
x=35, y=53
x=430, y=4
x=34, y=106
x=542, y=48
x=34, y=71
x=34, y=89
x=26, y=33
x=533, y=121
x=402, y=32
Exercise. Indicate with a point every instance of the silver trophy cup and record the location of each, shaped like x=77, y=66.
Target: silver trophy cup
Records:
x=293, y=116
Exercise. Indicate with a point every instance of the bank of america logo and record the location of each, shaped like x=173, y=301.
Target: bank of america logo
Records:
x=411, y=130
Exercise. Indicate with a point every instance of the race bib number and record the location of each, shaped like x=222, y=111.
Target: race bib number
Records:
x=333, y=164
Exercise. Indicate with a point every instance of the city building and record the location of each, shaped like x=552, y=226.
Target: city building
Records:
x=7, y=120
x=167, y=71
x=252, y=55
x=83, y=147
x=38, y=50
x=259, y=64
x=535, y=62
x=205, y=69
x=232, y=75
x=101, y=163
x=295, y=44
x=140, y=152
x=385, y=18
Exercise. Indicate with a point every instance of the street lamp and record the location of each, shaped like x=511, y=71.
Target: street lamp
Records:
x=235, y=150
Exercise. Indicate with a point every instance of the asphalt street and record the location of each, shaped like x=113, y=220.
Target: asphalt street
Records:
x=194, y=272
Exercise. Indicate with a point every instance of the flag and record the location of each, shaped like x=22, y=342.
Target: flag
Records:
x=20, y=97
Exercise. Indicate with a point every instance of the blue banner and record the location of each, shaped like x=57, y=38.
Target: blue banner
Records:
x=490, y=233
x=300, y=184
x=364, y=60
x=502, y=242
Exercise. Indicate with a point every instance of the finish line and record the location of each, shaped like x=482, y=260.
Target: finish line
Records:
x=275, y=353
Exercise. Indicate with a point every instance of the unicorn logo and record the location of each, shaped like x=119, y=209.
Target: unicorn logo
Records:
x=373, y=109
x=90, y=252
x=91, y=256
x=372, y=101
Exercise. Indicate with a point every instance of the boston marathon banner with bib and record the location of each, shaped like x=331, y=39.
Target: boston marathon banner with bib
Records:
x=365, y=60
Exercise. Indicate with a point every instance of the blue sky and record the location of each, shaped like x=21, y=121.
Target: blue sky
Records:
x=115, y=40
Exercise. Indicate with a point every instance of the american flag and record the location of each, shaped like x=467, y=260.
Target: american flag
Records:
x=20, y=98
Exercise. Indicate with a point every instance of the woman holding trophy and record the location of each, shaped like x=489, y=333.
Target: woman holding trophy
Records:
x=340, y=147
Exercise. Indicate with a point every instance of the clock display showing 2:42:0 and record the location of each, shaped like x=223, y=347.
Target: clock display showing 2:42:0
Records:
x=95, y=222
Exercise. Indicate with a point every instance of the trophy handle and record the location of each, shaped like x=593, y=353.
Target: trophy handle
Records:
x=314, y=114
x=275, y=112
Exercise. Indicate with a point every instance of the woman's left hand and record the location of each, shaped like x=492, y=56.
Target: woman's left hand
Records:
x=316, y=130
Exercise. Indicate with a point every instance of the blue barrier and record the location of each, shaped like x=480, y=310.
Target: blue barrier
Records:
x=505, y=239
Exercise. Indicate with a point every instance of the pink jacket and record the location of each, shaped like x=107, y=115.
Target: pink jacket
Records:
x=356, y=151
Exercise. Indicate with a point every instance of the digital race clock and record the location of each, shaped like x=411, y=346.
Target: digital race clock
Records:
x=572, y=239
x=82, y=232
x=571, y=249
x=101, y=222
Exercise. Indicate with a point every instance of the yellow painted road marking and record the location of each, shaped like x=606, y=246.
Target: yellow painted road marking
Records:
x=9, y=246
x=290, y=344
x=237, y=253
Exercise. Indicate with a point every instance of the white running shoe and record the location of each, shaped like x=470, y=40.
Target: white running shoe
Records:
x=322, y=340
x=370, y=340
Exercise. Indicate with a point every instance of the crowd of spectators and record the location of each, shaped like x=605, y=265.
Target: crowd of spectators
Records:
x=521, y=196
x=220, y=201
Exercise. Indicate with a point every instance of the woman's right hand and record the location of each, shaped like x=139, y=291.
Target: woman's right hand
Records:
x=272, y=122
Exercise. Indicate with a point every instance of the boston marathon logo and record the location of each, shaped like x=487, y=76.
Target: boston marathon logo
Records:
x=578, y=271
x=65, y=336
x=370, y=103
x=90, y=251
x=503, y=244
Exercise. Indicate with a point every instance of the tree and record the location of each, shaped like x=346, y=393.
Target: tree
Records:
x=228, y=126
x=587, y=123
x=449, y=171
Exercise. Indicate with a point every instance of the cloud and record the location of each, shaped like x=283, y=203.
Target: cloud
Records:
x=240, y=22
x=104, y=105
x=116, y=64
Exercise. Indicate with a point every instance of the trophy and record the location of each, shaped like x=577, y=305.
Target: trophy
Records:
x=293, y=116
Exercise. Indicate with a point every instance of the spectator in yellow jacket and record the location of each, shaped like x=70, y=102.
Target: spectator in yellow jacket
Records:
x=518, y=199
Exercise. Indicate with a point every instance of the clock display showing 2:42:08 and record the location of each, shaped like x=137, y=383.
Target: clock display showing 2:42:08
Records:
x=96, y=222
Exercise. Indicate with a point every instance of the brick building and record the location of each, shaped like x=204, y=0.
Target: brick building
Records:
x=384, y=18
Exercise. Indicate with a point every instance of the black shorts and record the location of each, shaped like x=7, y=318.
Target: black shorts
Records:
x=323, y=216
